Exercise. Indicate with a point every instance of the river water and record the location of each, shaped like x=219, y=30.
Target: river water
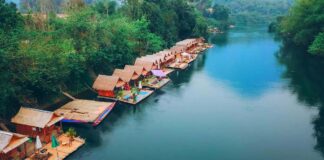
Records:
x=245, y=99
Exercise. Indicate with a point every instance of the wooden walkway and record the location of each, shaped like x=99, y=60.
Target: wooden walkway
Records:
x=143, y=94
x=179, y=65
x=167, y=71
x=152, y=83
x=63, y=150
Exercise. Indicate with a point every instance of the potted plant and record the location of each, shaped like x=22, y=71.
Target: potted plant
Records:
x=119, y=94
x=71, y=133
x=134, y=92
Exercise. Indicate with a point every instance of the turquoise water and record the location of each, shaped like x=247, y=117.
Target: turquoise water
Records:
x=243, y=99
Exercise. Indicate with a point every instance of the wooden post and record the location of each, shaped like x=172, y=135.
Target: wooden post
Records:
x=61, y=127
x=25, y=150
x=44, y=132
x=4, y=127
x=68, y=95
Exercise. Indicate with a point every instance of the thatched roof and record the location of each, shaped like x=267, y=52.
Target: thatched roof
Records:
x=140, y=70
x=148, y=65
x=177, y=49
x=10, y=141
x=126, y=75
x=107, y=83
x=35, y=118
x=187, y=42
x=164, y=53
x=132, y=72
x=155, y=58
x=83, y=110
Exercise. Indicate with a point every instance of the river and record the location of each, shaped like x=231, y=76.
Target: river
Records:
x=245, y=99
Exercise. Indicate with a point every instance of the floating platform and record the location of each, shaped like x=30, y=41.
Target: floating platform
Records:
x=143, y=94
x=155, y=84
x=167, y=71
x=63, y=150
x=194, y=57
x=85, y=111
x=179, y=65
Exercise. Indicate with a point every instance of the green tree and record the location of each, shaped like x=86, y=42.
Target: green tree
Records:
x=303, y=24
x=317, y=47
x=11, y=24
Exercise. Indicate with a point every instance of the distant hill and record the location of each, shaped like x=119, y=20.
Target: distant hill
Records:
x=255, y=11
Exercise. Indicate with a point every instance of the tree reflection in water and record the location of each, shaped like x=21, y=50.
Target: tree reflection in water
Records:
x=305, y=75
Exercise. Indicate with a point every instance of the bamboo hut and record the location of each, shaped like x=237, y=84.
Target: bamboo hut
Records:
x=107, y=85
x=148, y=65
x=12, y=146
x=167, y=59
x=192, y=46
x=126, y=75
x=130, y=93
x=158, y=80
x=179, y=62
x=140, y=70
x=158, y=60
x=155, y=60
x=85, y=111
x=200, y=40
x=188, y=43
x=33, y=122
x=167, y=56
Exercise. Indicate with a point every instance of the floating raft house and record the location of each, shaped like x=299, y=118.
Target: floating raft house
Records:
x=34, y=122
x=85, y=111
x=9, y=144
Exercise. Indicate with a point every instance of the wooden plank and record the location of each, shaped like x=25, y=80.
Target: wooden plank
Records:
x=64, y=150
x=162, y=83
x=140, y=98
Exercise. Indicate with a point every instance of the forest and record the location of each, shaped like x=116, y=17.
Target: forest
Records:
x=303, y=26
x=255, y=12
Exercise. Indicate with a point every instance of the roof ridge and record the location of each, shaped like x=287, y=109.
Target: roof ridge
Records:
x=35, y=109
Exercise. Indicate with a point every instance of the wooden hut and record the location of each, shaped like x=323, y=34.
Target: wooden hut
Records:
x=85, y=111
x=126, y=74
x=158, y=60
x=179, y=61
x=148, y=65
x=12, y=146
x=33, y=122
x=189, y=44
x=167, y=56
x=177, y=51
x=140, y=70
x=128, y=95
x=106, y=85
x=155, y=60
x=200, y=40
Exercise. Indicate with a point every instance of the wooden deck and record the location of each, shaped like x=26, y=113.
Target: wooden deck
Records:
x=178, y=65
x=63, y=150
x=167, y=71
x=85, y=111
x=152, y=83
x=193, y=59
x=127, y=97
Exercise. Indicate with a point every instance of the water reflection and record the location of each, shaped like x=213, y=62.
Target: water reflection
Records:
x=219, y=39
x=180, y=77
x=305, y=76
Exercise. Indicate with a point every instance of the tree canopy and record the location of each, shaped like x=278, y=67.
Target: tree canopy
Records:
x=304, y=25
x=62, y=45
